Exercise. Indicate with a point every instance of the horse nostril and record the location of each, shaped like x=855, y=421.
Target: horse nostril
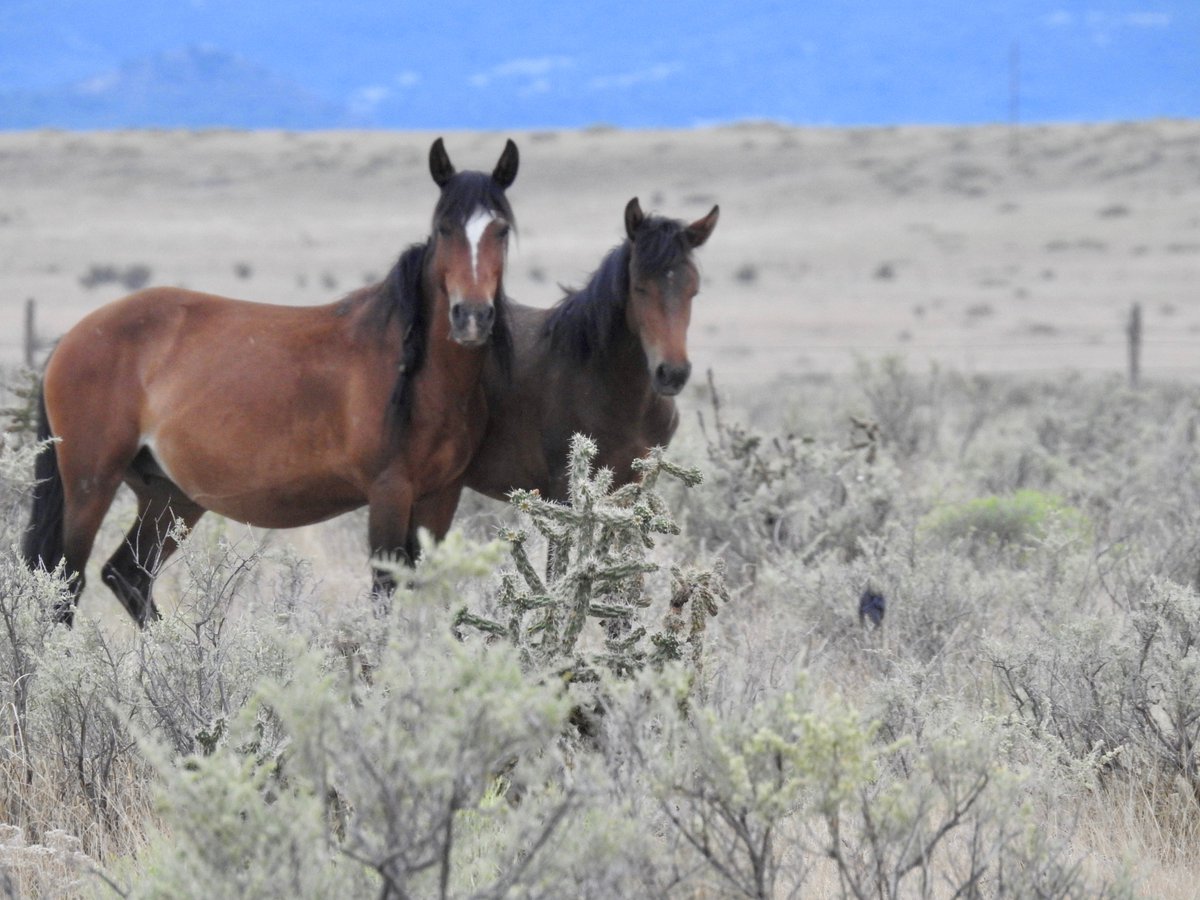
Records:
x=672, y=377
x=472, y=321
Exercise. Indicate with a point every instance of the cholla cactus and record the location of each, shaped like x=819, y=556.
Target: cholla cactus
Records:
x=701, y=588
x=596, y=568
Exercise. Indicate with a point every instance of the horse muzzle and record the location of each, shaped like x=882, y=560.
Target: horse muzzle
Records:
x=669, y=379
x=471, y=323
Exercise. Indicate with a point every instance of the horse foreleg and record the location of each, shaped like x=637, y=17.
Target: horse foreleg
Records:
x=389, y=528
x=435, y=511
x=130, y=571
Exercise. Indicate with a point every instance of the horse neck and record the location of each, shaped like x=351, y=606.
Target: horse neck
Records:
x=625, y=363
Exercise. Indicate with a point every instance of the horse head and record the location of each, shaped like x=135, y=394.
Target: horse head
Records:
x=663, y=280
x=469, y=242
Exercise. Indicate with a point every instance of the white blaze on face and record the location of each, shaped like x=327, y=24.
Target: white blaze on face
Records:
x=475, y=227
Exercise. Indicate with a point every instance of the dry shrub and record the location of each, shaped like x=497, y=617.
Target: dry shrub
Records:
x=254, y=743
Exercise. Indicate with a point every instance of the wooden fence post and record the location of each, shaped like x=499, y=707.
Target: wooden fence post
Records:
x=30, y=331
x=1134, y=333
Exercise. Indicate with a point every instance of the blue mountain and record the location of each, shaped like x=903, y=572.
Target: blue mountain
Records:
x=458, y=64
x=192, y=86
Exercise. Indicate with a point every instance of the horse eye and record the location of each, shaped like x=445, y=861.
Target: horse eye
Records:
x=502, y=232
x=444, y=229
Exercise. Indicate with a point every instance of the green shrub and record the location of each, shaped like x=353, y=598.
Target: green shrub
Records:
x=1022, y=520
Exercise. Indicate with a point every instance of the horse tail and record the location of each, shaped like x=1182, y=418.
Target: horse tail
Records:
x=43, y=546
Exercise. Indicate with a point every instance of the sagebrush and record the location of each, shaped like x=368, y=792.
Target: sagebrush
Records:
x=587, y=728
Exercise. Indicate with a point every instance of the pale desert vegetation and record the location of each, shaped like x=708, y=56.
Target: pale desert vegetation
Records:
x=724, y=723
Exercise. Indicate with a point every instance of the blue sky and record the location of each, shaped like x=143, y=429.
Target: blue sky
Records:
x=543, y=64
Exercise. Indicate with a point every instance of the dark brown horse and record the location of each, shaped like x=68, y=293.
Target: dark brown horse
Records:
x=278, y=416
x=606, y=361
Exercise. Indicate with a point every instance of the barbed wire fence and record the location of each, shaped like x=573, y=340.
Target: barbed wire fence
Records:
x=31, y=348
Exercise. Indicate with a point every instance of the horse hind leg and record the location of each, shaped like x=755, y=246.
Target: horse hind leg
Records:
x=84, y=508
x=131, y=570
x=44, y=544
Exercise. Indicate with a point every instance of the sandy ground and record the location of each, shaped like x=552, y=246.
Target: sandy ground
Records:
x=985, y=249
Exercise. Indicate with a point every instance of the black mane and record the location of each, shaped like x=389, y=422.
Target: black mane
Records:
x=401, y=294
x=584, y=323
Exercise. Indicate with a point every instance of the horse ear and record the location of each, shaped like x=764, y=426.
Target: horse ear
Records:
x=505, y=172
x=634, y=217
x=440, y=166
x=697, y=233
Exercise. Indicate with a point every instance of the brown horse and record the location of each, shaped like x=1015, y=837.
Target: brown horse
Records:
x=606, y=361
x=278, y=416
